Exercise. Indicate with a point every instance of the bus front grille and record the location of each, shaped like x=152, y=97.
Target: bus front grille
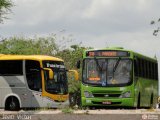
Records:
x=106, y=95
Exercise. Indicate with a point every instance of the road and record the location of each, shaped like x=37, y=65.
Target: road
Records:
x=142, y=114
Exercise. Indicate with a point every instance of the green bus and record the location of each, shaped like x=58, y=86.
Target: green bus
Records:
x=118, y=77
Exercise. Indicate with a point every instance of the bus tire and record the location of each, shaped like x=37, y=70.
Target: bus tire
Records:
x=139, y=102
x=12, y=104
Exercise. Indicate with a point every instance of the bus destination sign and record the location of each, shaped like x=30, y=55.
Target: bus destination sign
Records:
x=107, y=54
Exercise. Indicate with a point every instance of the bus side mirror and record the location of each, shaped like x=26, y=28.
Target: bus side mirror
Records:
x=78, y=64
x=76, y=75
x=51, y=73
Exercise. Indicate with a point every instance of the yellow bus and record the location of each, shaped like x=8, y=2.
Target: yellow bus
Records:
x=31, y=81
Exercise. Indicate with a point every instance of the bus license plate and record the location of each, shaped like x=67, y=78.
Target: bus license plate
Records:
x=107, y=102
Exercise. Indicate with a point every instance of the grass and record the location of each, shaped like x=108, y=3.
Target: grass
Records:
x=67, y=110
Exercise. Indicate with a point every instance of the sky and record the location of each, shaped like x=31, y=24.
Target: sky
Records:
x=94, y=23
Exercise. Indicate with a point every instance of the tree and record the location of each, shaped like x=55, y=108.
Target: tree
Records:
x=28, y=46
x=5, y=8
x=155, y=32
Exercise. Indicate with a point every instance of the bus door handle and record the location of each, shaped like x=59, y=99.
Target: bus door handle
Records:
x=24, y=94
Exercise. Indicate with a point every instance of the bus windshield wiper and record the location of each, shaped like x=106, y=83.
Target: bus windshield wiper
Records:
x=98, y=65
x=116, y=65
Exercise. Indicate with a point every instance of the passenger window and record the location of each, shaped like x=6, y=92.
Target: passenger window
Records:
x=140, y=67
x=33, y=75
x=147, y=69
x=156, y=71
x=135, y=68
x=11, y=67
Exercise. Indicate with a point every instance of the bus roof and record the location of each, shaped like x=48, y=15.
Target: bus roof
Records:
x=146, y=57
x=121, y=49
x=109, y=48
x=28, y=57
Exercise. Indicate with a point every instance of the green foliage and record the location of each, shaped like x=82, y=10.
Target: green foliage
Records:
x=67, y=110
x=73, y=85
x=71, y=55
x=5, y=6
x=27, y=46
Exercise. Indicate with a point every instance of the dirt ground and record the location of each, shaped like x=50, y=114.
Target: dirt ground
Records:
x=99, y=114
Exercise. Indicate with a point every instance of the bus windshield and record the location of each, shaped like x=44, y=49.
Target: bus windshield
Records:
x=107, y=72
x=59, y=83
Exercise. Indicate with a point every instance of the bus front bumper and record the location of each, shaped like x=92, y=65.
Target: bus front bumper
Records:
x=128, y=102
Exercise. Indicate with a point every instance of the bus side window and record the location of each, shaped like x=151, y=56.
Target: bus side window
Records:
x=11, y=67
x=140, y=65
x=156, y=71
x=150, y=70
x=33, y=75
x=146, y=70
x=143, y=67
x=153, y=70
x=135, y=68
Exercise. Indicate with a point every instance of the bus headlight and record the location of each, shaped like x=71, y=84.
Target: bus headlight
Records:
x=88, y=94
x=125, y=94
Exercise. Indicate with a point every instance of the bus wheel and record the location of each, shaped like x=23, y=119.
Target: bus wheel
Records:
x=139, y=102
x=12, y=104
